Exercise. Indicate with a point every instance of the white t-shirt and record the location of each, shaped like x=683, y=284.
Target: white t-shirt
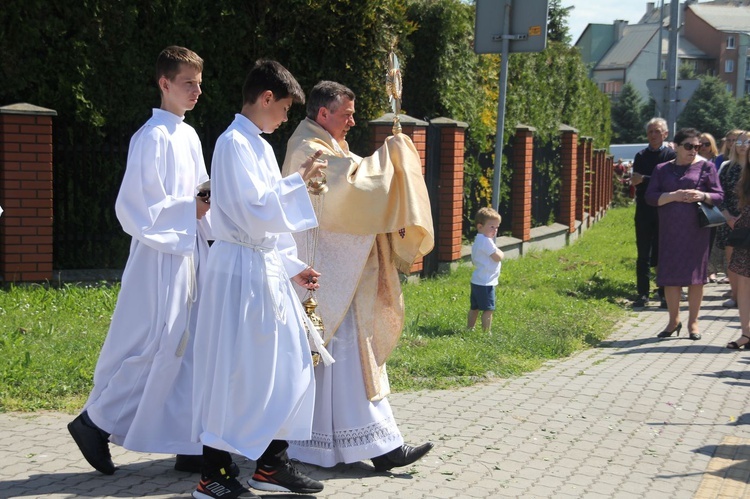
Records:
x=486, y=270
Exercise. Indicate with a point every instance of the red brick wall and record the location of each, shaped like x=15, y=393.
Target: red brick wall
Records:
x=523, y=152
x=451, y=199
x=568, y=190
x=25, y=195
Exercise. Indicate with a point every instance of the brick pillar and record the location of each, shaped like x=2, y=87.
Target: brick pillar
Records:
x=568, y=189
x=381, y=128
x=610, y=168
x=523, y=155
x=447, y=189
x=581, y=180
x=599, y=161
x=26, y=193
x=588, y=179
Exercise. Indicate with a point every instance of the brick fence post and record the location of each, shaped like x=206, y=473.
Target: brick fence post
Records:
x=581, y=180
x=381, y=128
x=445, y=153
x=569, y=188
x=26, y=193
x=523, y=155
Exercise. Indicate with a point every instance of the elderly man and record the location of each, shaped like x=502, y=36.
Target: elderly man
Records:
x=374, y=221
x=646, y=217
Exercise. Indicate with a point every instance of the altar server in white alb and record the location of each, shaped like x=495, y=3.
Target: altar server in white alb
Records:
x=254, y=381
x=142, y=395
x=375, y=220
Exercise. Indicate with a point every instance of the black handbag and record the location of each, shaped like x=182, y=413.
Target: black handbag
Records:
x=739, y=238
x=709, y=215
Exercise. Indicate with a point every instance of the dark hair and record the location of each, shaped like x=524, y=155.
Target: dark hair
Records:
x=169, y=60
x=270, y=75
x=327, y=94
x=685, y=133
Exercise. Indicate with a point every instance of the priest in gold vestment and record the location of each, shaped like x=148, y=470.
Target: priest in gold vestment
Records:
x=375, y=221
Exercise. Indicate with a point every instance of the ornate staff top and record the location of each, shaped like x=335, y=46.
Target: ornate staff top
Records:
x=393, y=87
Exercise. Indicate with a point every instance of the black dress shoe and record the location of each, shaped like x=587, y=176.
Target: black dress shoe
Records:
x=93, y=443
x=188, y=463
x=401, y=456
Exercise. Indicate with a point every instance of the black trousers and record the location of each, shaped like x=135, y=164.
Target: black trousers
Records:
x=647, y=246
x=215, y=459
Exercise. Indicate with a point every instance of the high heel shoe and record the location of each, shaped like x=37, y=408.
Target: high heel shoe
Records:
x=667, y=334
x=733, y=345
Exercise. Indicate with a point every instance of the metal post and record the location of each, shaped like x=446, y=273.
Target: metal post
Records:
x=674, y=34
x=503, y=84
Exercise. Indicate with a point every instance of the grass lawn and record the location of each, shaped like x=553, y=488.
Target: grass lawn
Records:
x=550, y=304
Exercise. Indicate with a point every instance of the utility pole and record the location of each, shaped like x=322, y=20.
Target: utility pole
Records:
x=674, y=36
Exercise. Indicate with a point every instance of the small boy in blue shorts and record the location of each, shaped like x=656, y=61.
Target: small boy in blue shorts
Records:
x=487, y=260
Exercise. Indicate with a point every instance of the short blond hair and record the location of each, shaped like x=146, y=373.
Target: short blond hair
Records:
x=485, y=214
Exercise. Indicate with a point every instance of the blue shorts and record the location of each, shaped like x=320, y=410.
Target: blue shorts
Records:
x=482, y=297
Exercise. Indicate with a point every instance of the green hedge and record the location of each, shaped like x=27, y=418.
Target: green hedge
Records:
x=92, y=61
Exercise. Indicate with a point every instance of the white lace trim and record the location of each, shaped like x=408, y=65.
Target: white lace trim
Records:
x=381, y=431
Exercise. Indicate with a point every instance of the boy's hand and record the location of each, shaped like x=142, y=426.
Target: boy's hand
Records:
x=312, y=167
x=202, y=205
x=308, y=278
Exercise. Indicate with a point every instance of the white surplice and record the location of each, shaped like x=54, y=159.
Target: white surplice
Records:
x=142, y=391
x=254, y=374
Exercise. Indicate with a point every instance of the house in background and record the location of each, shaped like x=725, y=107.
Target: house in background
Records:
x=722, y=31
x=620, y=53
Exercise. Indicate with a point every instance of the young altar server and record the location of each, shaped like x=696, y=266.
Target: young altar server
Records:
x=254, y=381
x=142, y=395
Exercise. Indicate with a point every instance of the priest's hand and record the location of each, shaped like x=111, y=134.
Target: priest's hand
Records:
x=308, y=278
x=202, y=205
x=312, y=167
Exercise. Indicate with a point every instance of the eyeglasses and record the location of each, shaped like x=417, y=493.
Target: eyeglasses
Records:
x=740, y=143
x=705, y=144
x=688, y=146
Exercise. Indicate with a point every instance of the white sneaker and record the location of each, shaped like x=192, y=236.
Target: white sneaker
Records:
x=730, y=303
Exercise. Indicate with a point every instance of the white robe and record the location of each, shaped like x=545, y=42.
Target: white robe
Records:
x=347, y=427
x=143, y=378
x=254, y=375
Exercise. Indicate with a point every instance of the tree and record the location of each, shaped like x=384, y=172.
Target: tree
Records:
x=627, y=122
x=742, y=113
x=557, y=23
x=710, y=109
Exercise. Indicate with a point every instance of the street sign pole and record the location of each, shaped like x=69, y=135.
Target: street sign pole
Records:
x=530, y=22
x=503, y=84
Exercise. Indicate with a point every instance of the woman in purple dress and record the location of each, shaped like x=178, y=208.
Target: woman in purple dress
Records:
x=675, y=187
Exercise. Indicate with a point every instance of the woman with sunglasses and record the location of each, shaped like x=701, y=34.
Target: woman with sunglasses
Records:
x=739, y=263
x=675, y=187
x=726, y=146
x=729, y=177
x=708, y=147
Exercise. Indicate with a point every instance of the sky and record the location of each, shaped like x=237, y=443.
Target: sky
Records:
x=602, y=12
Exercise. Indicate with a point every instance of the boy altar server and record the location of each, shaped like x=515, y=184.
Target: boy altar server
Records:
x=254, y=384
x=142, y=391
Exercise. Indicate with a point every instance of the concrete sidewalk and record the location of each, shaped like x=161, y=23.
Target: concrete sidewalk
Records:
x=636, y=417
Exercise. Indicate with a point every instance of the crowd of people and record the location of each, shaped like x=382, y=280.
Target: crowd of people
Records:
x=675, y=182
x=210, y=353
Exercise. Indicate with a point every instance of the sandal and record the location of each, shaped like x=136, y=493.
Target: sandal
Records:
x=733, y=345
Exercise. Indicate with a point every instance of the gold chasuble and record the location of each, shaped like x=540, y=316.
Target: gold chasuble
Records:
x=375, y=221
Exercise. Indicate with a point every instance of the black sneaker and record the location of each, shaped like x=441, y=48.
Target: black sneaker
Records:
x=221, y=485
x=641, y=302
x=283, y=478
